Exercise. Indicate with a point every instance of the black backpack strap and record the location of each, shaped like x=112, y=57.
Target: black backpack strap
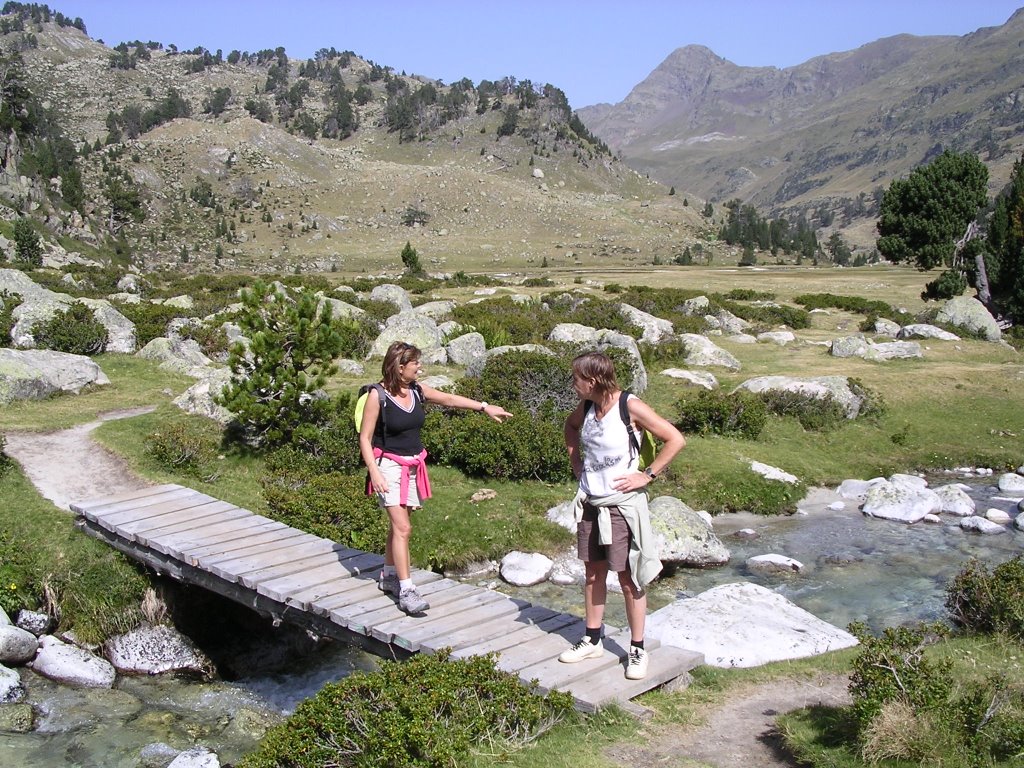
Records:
x=634, y=442
x=382, y=419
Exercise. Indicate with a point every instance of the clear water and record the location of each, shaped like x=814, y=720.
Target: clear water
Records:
x=855, y=568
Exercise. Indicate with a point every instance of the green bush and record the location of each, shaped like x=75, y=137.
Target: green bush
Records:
x=332, y=505
x=525, y=447
x=815, y=414
x=8, y=303
x=75, y=330
x=894, y=667
x=748, y=294
x=984, y=601
x=182, y=447
x=856, y=304
x=211, y=338
x=739, y=414
x=518, y=380
x=767, y=314
x=150, y=320
x=428, y=712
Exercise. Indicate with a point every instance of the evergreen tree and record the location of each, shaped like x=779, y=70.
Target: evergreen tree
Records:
x=411, y=260
x=26, y=242
x=275, y=379
x=1006, y=245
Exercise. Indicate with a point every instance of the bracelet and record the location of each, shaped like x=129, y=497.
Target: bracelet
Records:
x=483, y=406
x=651, y=473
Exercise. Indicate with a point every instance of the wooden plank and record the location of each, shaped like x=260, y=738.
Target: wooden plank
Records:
x=488, y=630
x=81, y=507
x=322, y=598
x=469, y=612
x=289, y=553
x=285, y=588
x=101, y=513
x=206, y=514
x=280, y=538
x=521, y=634
x=233, y=541
x=610, y=685
x=552, y=674
x=360, y=568
x=365, y=562
x=153, y=507
x=176, y=539
x=387, y=626
x=438, y=592
x=541, y=648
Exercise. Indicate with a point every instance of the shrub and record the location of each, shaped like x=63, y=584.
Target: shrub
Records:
x=75, y=330
x=894, y=667
x=184, y=448
x=531, y=380
x=985, y=601
x=8, y=303
x=427, y=712
x=333, y=505
x=739, y=414
x=816, y=414
x=150, y=320
x=856, y=304
x=211, y=338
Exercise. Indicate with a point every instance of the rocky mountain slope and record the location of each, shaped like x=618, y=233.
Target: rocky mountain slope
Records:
x=827, y=134
x=222, y=190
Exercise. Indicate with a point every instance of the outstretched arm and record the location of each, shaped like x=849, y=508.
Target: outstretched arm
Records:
x=449, y=400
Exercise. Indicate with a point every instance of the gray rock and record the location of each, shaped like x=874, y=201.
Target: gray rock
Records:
x=857, y=489
x=34, y=374
x=813, y=388
x=340, y=309
x=466, y=349
x=654, y=330
x=886, y=327
x=157, y=755
x=120, y=330
x=153, y=650
x=699, y=305
x=1011, y=482
x=1000, y=516
x=744, y=625
x=11, y=689
x=772, y=563
x=392, y=294
x=849, y=346
x=574, y=333
x=955, y=500
x=696, y=379
x=702, y=352
x=71, y=665
x=131, y=283
x=926, y=331
x=196, y=757
x=436, y=310
x=35, y=622
x=476, y=367
x=969, y=313
x=890, y=501
x=782, y=338
x=17, y=645
x=773, y=473
x=981, y=525
x=729, y=324
x=199, y=398
x=180, y=355
x=412, y=327
x=683, y=536
x=893, y=350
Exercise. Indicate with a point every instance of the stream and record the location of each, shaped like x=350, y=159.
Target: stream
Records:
x=856, y=568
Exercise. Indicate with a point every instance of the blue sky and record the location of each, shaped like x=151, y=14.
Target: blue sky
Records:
x=595, y=51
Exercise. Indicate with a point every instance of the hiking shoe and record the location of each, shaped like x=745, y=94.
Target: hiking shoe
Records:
x=584, y=649
x=411, y=601
x=636, y=664
x=388, y=584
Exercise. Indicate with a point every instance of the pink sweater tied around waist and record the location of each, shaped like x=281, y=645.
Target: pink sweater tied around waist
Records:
x=405, y=462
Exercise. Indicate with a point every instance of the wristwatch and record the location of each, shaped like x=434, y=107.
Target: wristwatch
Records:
x=651, y=473
x=483, y=406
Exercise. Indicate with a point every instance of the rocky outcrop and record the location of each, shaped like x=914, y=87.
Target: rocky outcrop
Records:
x=34, y=374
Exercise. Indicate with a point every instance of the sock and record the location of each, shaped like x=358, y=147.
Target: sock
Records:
x=389, y=570
x=405, y=584
x=594, y=635
x=636, y=644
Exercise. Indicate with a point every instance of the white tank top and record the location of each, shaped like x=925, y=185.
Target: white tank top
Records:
x=606, y=455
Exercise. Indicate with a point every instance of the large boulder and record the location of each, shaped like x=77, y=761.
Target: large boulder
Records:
x=694, y=379
x=153, y=650
x=340, y=309
x=71, y=665
x=34, y=374
x=685, y=537
x=17, y=645
x=654, y=330
x=813, y=388
x=702, y=352
x=970, y=314
x=744, y=625
x=955, y=500
x=414, y=328
x=901, y=502
x=392, y=294
x=466, y=349
x=524, y=569
x=199, y=399
x=436, y=310
x=177, y=354
x=120, y=330
x=926, y=331
x=601, y=340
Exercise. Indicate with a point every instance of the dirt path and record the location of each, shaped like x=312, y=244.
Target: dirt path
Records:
x=68, y=466
x=740, y=733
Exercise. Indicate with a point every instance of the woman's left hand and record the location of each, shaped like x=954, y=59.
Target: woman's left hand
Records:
x=634, y=481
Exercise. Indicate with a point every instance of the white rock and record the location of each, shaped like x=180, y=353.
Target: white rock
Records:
x=744, y=625
x=17, y=645
x=33, y=621
x=524, y=569
x=981, y=525
x=153, y=650
x=999, y=516
x=11, y=689
x=955, y=500
x=836, y=506
x=893, y=502
x=71, y=665
x=196, y=757
x=931, y=519
x=857, y=489
x=1011, y=482
x=773, y=473
x=773, y=563
x=697, y=379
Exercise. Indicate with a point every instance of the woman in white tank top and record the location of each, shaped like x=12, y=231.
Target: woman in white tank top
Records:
x=613, y=522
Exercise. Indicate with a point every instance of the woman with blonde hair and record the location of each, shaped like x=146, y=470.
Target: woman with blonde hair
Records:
x=389, y=442
x=613, y=523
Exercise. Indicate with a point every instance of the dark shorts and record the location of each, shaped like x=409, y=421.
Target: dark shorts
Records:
x=587, y=537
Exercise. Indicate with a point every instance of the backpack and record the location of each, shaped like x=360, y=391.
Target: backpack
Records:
x=364, y=392
x=642, y=445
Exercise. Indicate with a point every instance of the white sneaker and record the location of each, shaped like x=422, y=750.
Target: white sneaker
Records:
x=636, y=665
x=584, y=649
x=411, y=601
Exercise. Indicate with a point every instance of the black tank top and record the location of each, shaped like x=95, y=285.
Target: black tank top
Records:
x=403, y=427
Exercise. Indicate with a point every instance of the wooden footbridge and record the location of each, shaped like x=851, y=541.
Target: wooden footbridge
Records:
x=332, y=591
